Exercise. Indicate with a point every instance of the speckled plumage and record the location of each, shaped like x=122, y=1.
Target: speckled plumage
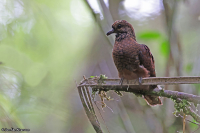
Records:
x=133, y=60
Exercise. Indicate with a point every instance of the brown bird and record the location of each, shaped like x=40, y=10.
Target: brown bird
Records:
x=133, y=60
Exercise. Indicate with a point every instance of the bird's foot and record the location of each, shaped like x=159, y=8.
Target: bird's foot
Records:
x=121, y=81
x=127, y=81
x=128, y=84
x=140, y=80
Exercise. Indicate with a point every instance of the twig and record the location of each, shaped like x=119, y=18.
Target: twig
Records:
x=183, y=106
x=192, y=122
x=145, y=81
x=113, y=84
x=191, y=112
x=134, y=87
x=184, y=123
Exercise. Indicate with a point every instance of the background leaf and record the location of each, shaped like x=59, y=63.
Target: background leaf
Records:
x=149, y=35
x=165, y=48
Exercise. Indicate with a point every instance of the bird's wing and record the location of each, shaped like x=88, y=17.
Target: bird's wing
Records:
x=147, y=60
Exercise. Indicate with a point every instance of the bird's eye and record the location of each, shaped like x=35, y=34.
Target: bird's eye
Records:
x=119, y=26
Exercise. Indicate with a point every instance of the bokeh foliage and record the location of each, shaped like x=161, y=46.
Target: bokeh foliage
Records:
x=42, y=45
x=47, y=45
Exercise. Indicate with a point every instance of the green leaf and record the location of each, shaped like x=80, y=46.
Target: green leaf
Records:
x=149, y=35
x=164, y=48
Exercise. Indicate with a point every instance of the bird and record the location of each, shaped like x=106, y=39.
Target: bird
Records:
x=132, y=60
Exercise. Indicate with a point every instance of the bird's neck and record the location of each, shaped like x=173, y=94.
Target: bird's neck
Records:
x=121, y=36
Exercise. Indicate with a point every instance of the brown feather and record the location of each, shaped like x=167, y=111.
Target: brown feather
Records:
x=133, y=60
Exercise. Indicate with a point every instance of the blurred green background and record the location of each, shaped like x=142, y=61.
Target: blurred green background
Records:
x=46, y=46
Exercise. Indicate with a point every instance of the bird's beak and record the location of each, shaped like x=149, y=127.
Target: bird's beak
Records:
x=110, y=32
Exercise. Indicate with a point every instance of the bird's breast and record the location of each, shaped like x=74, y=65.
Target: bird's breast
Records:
x=125, y=57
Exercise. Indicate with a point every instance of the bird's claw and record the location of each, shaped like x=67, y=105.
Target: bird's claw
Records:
x=127, y=81
x=140, y=80
x=121, y=81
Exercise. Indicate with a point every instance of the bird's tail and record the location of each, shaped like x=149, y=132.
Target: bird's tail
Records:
x=153, y=100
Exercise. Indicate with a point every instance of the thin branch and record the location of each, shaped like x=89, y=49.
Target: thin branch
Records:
x=184, y=123
x=175, y=94
x=192, y=113
x=143, y=90
x=192, y=123
x=133, y=86
x=145, y=81
x=186, y=109
x=102, y=84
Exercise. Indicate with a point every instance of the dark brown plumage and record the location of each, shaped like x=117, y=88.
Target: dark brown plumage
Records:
x=133, y=60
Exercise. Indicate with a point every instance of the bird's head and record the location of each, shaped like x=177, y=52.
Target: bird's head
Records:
x=120, y=27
